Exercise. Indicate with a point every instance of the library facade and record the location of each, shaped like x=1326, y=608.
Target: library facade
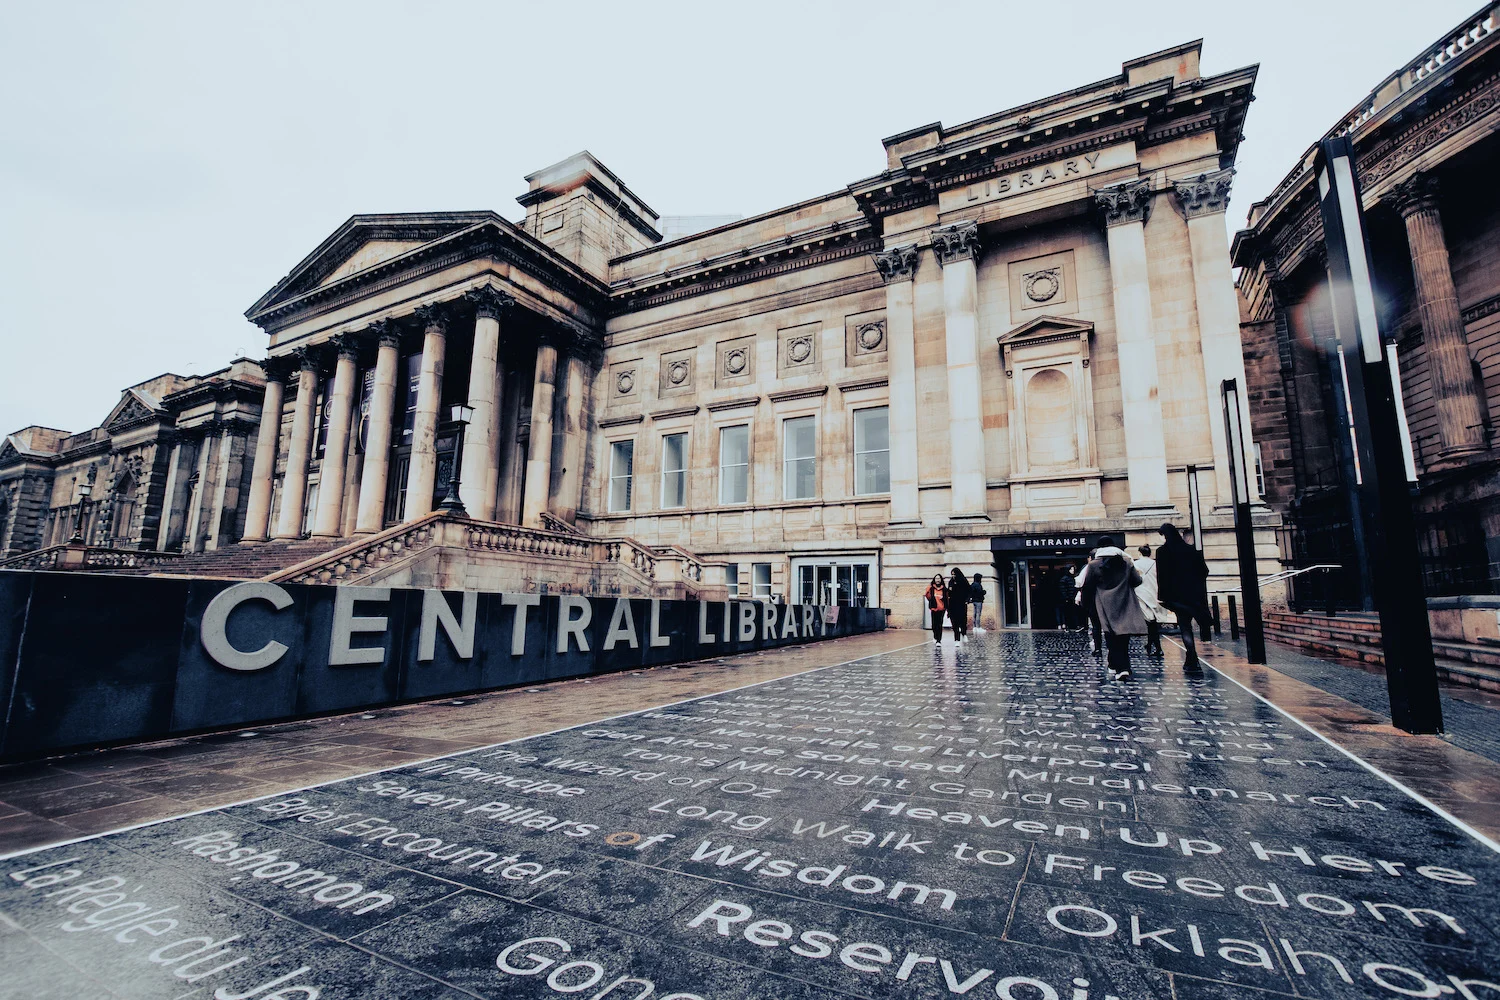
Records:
x=1015, y=334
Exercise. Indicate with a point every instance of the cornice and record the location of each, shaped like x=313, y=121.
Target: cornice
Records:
x=864, y=383
x=634, y=418
x=807, y=393
x=733, y=404
x=676, y=411
x=811, y=249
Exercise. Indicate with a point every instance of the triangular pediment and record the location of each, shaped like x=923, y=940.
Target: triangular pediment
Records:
x=1045, y=327
x=363, y=242
x=8, y=452
x=132, y=409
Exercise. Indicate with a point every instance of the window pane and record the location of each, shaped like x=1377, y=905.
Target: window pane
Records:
x=621, y=479
x=673, y=474
x=873, y=473
x=734, y=486
x=674, y=489
x=871, y=430
x=761, y=579
x=800, y=471
x=734, y=445
x=732, y=576
x=674, y=453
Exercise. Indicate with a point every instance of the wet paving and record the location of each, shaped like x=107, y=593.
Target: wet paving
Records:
x=991, y=821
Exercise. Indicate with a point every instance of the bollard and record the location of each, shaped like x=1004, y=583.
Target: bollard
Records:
x=1234, y=620
x=1217, y=629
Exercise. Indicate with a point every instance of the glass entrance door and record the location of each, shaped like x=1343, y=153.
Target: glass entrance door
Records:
x=825, y=582
x=1015, y=604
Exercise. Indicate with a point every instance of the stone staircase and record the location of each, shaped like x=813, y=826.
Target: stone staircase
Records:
x=247, y=561
x=1355, y=635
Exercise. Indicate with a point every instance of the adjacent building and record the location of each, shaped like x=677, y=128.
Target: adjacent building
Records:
x=1426, y=147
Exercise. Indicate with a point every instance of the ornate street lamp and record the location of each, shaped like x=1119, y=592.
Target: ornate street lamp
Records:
x=460, y=414
x=84, y=489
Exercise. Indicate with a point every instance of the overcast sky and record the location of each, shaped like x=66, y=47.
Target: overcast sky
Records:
x=162, y=165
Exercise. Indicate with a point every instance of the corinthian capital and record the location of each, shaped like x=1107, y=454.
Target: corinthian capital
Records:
x=488, y=301
x=1127, y=202
x=433, y=316
x=1206, y=194
x=897, y=263
x=346, y=345
x=959, y=241
x=1418, y=193
x=385, y=332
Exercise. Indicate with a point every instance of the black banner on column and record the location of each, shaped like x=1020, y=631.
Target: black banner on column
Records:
x=91, y=660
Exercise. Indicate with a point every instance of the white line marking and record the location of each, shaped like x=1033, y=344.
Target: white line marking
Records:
x=456, y=753
x=1445, y=814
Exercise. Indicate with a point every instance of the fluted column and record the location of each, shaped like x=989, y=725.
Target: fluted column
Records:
x=480, y=480
x=422, y=476
x=1125, y=207
x=267, y=444
x=898, y=268
x=575, y=381
x=1204, y=200
x=372, y=483
x=294, y=487
x=326, y=519
x=1459, y=409
x=956, y=248
x=539, y=453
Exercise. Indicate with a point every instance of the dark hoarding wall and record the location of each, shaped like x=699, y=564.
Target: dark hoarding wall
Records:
x=102, y=659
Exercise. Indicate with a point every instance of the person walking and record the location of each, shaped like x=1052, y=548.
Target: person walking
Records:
x=1182, y=586
x=1146, y=594
x=976, y=598
x=1067, y=593
x=1085, y=600
x=936, y=597
x=959, y=595
x=1111, y=579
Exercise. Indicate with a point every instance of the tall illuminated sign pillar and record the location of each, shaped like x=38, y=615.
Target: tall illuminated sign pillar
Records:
x=1383, y=466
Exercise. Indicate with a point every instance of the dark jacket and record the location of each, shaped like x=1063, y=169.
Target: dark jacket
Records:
x=1111, y=582
x=1182, y=577
x=1067, y=586
x=958, y=592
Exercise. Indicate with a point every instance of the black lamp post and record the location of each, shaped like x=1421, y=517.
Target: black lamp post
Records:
x=460, y=414
x=1244, y=533
x=84, y=489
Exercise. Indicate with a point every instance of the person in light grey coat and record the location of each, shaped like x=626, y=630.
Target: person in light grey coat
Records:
x=1110, y=581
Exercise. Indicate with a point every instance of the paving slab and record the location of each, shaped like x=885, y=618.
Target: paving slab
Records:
x=995, y=819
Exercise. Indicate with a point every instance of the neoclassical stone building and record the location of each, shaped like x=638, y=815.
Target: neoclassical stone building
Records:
x=1426, y=144
x=1009, y=339
x=164, y=471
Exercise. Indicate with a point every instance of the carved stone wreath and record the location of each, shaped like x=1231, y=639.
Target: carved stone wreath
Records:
x=870, y=336
x=799, y=350
x=625, y=382
x=1043, y=286
x=736, y=361
x=678, y=372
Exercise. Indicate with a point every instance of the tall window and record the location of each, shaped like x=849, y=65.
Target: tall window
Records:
x=732, y=577
x=800, y=458
x=760, y=581
x=734, y=464
x=872, y=451
x=674, y=470
x=621, y=474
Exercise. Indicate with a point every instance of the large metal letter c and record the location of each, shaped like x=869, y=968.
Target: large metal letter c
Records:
x=215, y=639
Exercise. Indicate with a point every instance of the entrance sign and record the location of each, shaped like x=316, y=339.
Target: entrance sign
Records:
x=91, y=660
x=1003, y=825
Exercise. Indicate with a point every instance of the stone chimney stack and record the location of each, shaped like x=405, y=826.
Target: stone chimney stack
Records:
x=579, y=208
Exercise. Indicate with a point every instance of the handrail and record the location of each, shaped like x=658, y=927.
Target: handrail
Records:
x=1287, y=574
x=93, y=557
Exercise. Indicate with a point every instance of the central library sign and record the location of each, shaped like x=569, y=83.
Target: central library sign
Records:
x=101, y=659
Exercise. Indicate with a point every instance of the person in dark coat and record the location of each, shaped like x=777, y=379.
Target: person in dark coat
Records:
x=1182, y=586
x=1067, y=593
x=976, y=597
x=959, y=595
x=1111, y=579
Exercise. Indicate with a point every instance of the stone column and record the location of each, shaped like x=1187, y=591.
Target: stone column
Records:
x=539, y=452
x=336, y=449
x=267, y=443
x=1125, y=207
x=480, y=473
x=1204, y=200
x=956, y=248
x=898, y=268
x=565, y=498
x=294, y=487
x=1459, y=409
x=421, y=477
x=224, y=495
x=508, y=503
x=372, y=482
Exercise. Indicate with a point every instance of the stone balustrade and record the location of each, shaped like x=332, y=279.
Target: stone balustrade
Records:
x=87, y=557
